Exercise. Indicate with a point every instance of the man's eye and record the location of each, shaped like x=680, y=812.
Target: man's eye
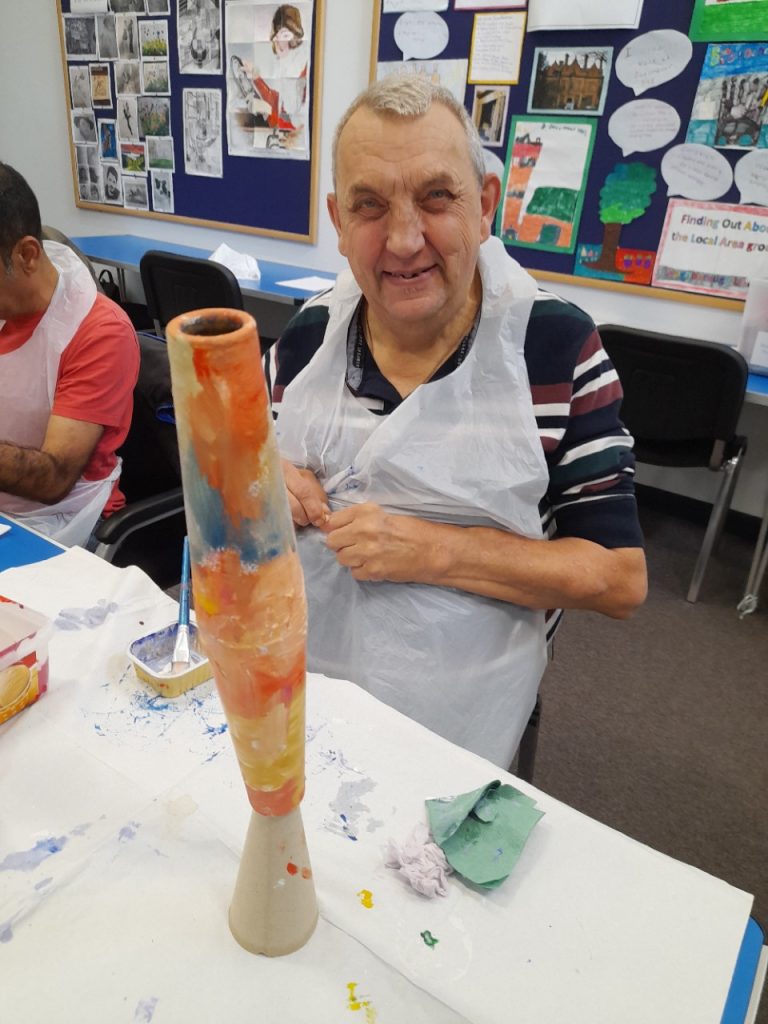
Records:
x=367, y=205
x=438, y=196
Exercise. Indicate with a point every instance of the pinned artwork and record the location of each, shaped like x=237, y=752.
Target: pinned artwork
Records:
x=543, y=193
x=751, y=176
x=730, y=109
x=641, y=126
x=569, y=80
x=696, y=172
x=251, y=608
x=626, y=195
x=421, y=34
x=269, y=50
x=729, y=20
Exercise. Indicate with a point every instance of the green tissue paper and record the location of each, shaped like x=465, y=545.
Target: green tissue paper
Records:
x=483, y=833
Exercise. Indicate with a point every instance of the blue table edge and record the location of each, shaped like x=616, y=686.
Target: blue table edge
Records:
x=21, y=546
x=744, y=974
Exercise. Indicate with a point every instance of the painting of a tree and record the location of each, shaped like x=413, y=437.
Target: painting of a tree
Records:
x=625, y=196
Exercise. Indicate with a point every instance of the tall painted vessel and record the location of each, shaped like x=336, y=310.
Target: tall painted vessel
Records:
x=251, y=610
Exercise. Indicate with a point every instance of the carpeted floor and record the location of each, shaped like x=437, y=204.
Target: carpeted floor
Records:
x=658, y=726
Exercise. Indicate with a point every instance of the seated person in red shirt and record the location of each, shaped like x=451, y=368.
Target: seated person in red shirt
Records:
x=69, y=359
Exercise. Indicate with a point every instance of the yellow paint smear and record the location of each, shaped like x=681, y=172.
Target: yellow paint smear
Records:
x=353, y=1003
x=366, y=898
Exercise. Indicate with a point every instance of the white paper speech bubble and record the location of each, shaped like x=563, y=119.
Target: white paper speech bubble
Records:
x=751, y=175
x=421, y=34
x=642, y=125
x=696, y=172
x=653, y=58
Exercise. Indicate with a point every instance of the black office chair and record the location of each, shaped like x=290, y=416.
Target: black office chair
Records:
x=177, y=284
x=149, y=530
x=682, y=402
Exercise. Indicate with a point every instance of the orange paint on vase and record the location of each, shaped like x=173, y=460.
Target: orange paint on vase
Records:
x=247, y=579
x=291, y=868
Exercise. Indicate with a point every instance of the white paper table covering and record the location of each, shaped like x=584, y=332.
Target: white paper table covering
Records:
x=590, y=927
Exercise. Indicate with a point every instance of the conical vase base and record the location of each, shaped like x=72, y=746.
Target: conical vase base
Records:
x=274, y=908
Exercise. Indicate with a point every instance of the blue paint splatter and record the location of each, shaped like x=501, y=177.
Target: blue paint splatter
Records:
x=6, y=932
x=128, y=831
x=346, y=828
x=144, y=702
x=42, y=885
x=216, y=730
x=88, y=618
x=145, y=1010
x=28, y=860
x=212, y=756
x=80, y=830
x=99, y=730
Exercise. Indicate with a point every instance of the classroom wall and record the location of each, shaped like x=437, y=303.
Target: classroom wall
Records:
x=33, y=138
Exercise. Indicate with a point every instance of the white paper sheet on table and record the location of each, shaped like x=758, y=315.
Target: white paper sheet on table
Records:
x=367, y=765
x=144, y=929
x=94, y=695
x=309, y=284
x=566, y=937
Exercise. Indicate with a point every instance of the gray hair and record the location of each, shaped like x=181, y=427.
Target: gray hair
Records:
x=406, y=94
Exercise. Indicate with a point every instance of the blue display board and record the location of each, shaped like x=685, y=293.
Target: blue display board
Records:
x=181, y=60
x=606, y=175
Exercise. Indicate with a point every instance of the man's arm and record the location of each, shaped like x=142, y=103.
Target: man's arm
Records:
x=47, y=474
x=566, y=572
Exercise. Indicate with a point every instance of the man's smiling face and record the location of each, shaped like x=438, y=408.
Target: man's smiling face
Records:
x=410, y=214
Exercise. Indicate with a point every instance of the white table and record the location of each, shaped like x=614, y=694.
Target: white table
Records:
x=123, y=815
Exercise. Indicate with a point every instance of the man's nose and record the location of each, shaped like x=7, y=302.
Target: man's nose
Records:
x=405, y=232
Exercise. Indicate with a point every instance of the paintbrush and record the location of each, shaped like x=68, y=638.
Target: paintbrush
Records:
x=180, y=660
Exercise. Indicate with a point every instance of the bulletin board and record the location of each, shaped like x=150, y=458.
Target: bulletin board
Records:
x=657, y=175
x=203, y=112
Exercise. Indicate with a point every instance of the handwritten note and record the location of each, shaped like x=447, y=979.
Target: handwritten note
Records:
x=751, y=177
x=653, y=58
x=696, y=172
x=421, y=34
x=497, y=43
x=643, y=125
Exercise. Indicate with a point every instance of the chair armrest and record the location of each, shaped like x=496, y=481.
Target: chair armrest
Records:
x=112, y=532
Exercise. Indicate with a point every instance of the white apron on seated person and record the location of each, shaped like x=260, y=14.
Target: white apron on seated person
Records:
x=463, y=449
x=27, y=386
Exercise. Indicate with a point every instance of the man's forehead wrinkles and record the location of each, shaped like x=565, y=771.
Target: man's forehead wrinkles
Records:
x=389, y=183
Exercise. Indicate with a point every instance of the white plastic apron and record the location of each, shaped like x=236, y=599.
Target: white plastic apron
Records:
x=27, y=386
x=463, y=449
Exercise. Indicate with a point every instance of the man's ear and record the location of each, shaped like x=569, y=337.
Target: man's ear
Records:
x=490, y=194
x=27, y=253
x=333, y=213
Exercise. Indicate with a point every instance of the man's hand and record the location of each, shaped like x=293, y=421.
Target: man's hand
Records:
x=307, y=499
x=566, y=572
x=375, y=545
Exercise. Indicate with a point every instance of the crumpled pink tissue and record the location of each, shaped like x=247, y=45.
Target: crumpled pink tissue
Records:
x=421, y=862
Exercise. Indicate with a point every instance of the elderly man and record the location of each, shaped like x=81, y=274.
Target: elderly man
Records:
x=453, y=455
x=69, y=360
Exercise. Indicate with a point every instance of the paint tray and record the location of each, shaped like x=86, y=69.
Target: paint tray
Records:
x=152, y=654
x=23, y=657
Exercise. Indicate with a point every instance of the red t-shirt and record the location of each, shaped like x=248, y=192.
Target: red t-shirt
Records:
x=97, y=375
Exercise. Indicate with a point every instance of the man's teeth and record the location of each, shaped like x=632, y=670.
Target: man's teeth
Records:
x=414, y=274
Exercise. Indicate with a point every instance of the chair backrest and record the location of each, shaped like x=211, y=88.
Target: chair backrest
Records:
x=682, y=397
x=54, y=235
x=150, y=452
x=177, y=284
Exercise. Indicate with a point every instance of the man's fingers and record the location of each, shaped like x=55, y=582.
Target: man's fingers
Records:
x=306, y=497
